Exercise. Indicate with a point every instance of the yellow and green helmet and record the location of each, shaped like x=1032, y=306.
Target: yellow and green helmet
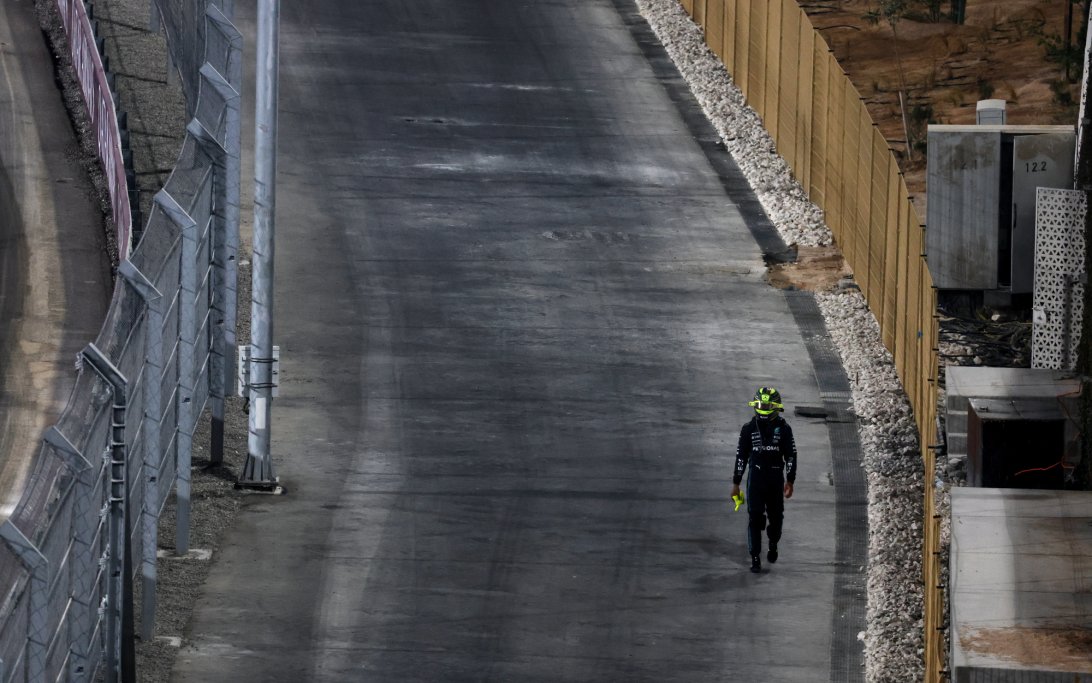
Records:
x=767, y=401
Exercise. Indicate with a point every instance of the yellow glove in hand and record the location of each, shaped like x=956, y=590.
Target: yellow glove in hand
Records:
x=738, y=500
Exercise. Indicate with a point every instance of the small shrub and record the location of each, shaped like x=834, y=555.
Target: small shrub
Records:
x=1062, y=94
x=921, y=113
x=920, y=116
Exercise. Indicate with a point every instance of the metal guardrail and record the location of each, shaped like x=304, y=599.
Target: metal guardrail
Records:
x=102, y=109
x=86, y=524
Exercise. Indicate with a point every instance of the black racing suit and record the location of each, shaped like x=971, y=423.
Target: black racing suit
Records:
x=767, y=444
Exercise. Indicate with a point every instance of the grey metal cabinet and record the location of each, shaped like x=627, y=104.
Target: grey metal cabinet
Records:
x=980, y=215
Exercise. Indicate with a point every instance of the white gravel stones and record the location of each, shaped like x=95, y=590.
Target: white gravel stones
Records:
x=893, y=637
x=893, y=469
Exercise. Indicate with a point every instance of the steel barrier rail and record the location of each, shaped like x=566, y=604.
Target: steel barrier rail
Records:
x=104, y=115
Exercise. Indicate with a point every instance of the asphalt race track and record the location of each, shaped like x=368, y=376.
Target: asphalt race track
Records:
x=521, y=310
x=54, y=273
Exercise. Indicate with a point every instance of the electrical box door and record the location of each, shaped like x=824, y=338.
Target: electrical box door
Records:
x=1044, y=160
x=964, y=179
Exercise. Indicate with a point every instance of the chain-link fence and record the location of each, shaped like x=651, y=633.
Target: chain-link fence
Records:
x=86, y=525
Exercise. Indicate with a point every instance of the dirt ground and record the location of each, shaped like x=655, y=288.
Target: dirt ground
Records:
x=814, y=269
x=1005, y=49
x=1001, y=51
x=1047, y=648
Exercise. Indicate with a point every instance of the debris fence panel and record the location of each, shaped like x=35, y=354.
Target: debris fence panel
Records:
x=805, y=122
x=743, y=46
x=715, y=27
x=756, y=55
x=902, y=297
x=772, y=58
x=726, y=50
x=835, y=150
x=156, y=344
x=787, y=125
x=823, y=130
x=894, y=218
x=858, y=194
x=879, y=218
x=910, y=373
x=815, y=143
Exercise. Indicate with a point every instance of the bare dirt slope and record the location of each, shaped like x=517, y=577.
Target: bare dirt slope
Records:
x=1001, y=51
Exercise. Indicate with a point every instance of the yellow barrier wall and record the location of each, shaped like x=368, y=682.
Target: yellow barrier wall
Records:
x=823, y=130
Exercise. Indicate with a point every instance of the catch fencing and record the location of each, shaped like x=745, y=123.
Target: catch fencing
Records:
x=86, y=525
x=824, y=131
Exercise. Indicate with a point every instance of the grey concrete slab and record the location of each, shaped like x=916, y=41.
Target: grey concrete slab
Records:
x=54, y=273
x=1020, y=388
x=978, y=382
x=1021, y=574
x=521, y=312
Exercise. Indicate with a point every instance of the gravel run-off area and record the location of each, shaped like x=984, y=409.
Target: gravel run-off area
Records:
x=892, y=640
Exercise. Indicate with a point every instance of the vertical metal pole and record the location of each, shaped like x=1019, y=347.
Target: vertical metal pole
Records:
x=220, y=350
x=1082, y=163
x=118, y=493
x=187, y=346
x=1083, y=181
x=151, y=426
x=233, y=170
x=258, y=469
x=228, y=196
x=120, y=654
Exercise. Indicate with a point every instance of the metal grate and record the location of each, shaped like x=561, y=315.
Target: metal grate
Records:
x=1058, y=298
x=850, y=491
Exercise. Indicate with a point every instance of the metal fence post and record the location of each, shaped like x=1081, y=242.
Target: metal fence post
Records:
x=81, y=623
x=227, y=80
x=120, y=654
x=1082, y=181
x=187, y=333
x=38, y=566
x=151, y=426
